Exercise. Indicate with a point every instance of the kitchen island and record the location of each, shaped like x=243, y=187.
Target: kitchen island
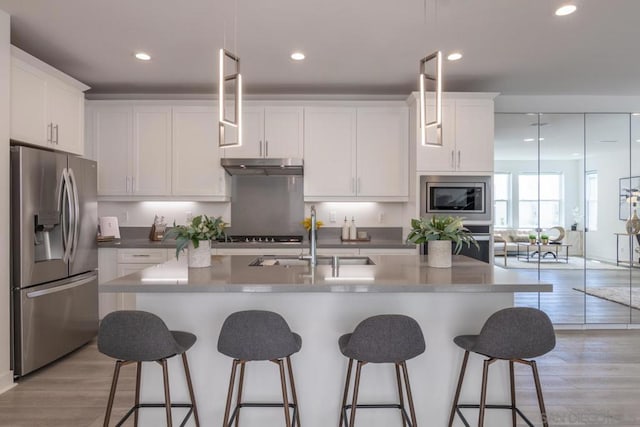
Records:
x=321, y=304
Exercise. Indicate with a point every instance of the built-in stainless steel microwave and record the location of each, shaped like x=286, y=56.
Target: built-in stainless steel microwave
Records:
x=465, y=196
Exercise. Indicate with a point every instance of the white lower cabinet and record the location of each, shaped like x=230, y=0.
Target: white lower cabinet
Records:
x=114, y=263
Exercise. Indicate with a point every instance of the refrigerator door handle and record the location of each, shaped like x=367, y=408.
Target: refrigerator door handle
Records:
x=75, y=284
x=65, y=193
x=76, y=214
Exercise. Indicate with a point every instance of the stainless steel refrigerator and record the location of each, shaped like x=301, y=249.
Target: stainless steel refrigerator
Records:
x=54, y=256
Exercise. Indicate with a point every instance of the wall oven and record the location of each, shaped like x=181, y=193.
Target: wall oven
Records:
x=465, y=196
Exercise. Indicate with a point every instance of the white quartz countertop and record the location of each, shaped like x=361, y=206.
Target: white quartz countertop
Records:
x=391, y=273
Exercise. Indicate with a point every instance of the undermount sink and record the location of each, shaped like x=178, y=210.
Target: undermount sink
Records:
x=294, y=261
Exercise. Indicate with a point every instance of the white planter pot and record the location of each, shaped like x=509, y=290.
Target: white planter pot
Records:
x=439, y=253
x=200, y=256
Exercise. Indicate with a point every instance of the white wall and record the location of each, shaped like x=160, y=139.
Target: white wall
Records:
x=6, y=375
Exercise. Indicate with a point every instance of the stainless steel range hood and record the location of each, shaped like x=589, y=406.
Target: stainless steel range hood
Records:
x=259, y=166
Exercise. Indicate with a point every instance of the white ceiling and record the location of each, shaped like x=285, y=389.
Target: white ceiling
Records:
x=352, y=47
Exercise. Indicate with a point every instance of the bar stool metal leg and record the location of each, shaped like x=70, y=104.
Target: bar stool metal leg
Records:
x=137, y=401
x=356, y=387
x=294, y=394
x=112, y=393
x=285, y=397
x=240, y=386
x=192, y=396
x=167, y=397
x=400, y=393
x=230, y=393
x=536, y=378
x=345, y=395
x=513, y=393
x=483, y=393
x=454, y=408
x=409, y=396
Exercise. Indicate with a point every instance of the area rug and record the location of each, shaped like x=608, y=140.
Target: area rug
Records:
x=617, y=294
x=575, y=263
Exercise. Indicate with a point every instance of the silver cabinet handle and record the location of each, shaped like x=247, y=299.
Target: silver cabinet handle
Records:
x=50, y=133
x=56, y=139
x=452, y=161
x=266, y=148
x=458, y=159
x=140, y=255
x=260, y=142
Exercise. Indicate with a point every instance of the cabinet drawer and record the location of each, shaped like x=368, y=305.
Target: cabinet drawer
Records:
x=141, y=256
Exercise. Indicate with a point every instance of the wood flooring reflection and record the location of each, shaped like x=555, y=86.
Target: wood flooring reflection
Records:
x=591, y=379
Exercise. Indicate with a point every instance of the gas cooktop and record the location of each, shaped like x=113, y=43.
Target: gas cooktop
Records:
x=264, y=238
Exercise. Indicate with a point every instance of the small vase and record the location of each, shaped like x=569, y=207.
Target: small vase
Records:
x=633, y=224
x=201, y=256
x=439, y=253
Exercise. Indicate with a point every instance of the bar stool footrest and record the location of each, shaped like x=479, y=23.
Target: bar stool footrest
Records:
x=475, y=406
x=158, y=405
x=403, y=411
x=239, y=406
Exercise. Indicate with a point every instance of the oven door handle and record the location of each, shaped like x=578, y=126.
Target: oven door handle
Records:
x=482, y=238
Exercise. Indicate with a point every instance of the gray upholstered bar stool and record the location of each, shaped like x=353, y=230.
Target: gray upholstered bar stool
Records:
x=387, y=338
x=513, y=334
x=256, y=335
x=136, y=337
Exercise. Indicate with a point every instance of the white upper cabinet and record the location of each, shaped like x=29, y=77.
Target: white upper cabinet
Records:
x=196, y=156
x=47, y=106
x=356, y=153
x=159, y=150
x=467, y=136
x=383, y=152
x=151, y=175
x=329, y=152
x=270, y=131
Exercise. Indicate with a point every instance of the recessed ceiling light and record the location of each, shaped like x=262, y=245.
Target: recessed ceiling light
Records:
x=142, y=56
x=454, y=56
x=635, y=114
x=565, y=10
x=529, y=139
x=540, y=139
x=637, y=140
x=297, y=56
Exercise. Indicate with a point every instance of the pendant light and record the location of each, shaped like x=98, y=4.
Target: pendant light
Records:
x=434, y=79
x=424, y=78
x=228, y=126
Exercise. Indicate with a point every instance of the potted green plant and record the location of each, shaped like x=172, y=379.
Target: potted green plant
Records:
x=533, y=239
x=196, y=236
x=440, y=232
x=545, y=239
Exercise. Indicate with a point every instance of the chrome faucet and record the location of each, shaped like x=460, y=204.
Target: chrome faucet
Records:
x=313, y=244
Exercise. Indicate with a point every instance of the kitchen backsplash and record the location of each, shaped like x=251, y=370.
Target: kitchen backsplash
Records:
x=141, y=214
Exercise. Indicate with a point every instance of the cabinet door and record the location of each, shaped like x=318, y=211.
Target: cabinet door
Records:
x=383, y=152
x=329, y=153
x=112, y=135
x=196, y=156
x=252, y=135
x=151, y=150
x=28, y=104
x=66, y=114
x=283, y=132
x=474, y=135
x=435, y=158
x=107, y=271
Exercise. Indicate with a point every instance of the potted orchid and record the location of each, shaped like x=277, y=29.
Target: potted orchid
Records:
x=196, y=236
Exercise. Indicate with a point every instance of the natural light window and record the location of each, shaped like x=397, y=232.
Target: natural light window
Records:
x=502, y=196
x=591, y=216
x=544, y=205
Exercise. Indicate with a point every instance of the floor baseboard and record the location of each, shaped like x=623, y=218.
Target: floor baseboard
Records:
x=6, y=381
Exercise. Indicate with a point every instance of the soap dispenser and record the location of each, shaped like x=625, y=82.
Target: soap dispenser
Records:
x=345, y=229
x=353, y=231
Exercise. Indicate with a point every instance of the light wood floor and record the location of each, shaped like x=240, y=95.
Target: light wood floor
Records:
x=591, y=379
